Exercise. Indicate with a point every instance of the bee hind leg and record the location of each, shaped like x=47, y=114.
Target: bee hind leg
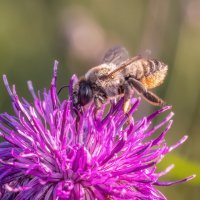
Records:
x=153, y=99
x=149, y=96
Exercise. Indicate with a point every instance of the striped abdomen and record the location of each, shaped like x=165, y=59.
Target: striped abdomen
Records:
x=154, y=73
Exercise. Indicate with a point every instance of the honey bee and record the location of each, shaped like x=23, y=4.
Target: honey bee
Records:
x=120, y=75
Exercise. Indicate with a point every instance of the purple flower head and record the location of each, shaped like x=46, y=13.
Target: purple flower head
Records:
x=51, y=152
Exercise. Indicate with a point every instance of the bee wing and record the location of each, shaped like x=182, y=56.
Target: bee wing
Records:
x=116, y=55
x=124, y=65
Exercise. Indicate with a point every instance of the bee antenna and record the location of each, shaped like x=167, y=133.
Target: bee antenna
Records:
x=64, y=86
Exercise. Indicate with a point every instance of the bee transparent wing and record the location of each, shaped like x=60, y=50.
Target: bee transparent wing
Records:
x=116, y=55
x=124, y=65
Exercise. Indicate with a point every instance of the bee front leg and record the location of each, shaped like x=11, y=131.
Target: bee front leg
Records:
x=149, y=96
x=98, y=101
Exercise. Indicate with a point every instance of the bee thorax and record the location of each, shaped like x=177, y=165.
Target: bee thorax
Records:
x=135, y=70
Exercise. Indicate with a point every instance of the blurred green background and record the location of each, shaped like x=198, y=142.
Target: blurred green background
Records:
x=77, y=33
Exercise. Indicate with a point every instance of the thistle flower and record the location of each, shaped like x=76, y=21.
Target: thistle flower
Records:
x=50, y=152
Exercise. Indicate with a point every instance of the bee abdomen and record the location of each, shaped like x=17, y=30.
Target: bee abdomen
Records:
x=154, y=66
x=155, y=72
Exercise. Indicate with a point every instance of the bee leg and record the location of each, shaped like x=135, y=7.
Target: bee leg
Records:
x=153, y=99
x=149, y=96
x=127, y=97
x=98, y=101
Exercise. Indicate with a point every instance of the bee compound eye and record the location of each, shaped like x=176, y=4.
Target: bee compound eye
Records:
x=85, y=93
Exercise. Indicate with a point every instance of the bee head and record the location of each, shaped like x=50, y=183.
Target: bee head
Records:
x=85, y=93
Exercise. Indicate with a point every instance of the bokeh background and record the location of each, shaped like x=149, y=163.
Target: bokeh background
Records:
x=77, y=33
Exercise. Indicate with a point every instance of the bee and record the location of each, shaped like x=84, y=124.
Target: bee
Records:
x=118, y=76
